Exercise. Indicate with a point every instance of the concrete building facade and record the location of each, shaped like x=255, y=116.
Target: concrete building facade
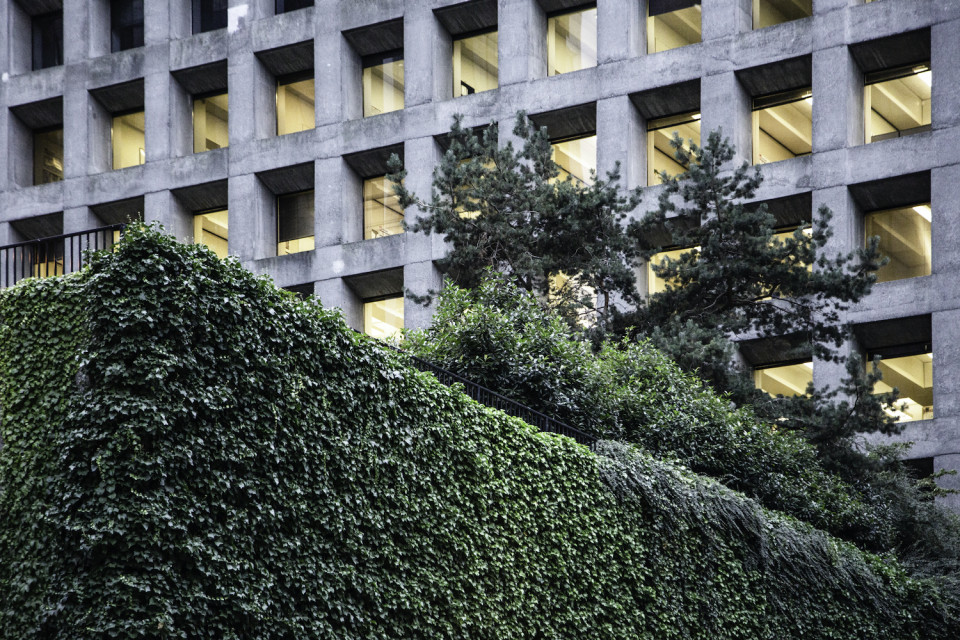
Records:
x=263, y=127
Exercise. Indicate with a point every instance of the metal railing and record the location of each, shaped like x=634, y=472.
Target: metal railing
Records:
x=53, y=256
x=495, y=400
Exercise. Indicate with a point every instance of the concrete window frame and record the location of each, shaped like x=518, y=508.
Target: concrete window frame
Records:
x=371, y=47
x=288, y=191
x=30, y=121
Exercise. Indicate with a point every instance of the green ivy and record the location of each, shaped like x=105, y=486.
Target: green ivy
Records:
x=189, y=452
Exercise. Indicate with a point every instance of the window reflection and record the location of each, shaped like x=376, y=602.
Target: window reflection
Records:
x=382, y=214
x=295, y=105
x=383, y=318
x=904, y=238
x=475, y=64
x=660, y=154
x=672, y=24
x=784, y=380
x=572, y=41
x=210, y=228
x=576, y=157
x=782, y=126
x=128, y=140
x=897, y=102
x=210, y=118
x=383, y=84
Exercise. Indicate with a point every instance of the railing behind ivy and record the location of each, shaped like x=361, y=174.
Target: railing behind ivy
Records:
x=53, y=256
x=493, y=399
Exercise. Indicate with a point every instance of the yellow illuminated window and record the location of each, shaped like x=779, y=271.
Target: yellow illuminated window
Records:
x=295, y=106
x=913, y=378
x=784, y=380
x=904, y=238
x=46, y=259
x=383, y=84
x=897, y=102
x=572, y=41
x=656, y=284
x=382, y=214
x=475, y=64
x=383, y=318
x=210, y=123
x=767, y=13
x=211, y=229
x=782, y=126
x=128, y=140
x=660, y=155
x=295, y=223
x=48, y=156
x=672, y=24
x=577, y=157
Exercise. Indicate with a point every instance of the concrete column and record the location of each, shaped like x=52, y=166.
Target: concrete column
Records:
x=85, y=123
x=945, y=92
x=420, y=156
x=725, y=19
x=621, y=136
x=18, y=29
x=156, y=21
x=945, y=210
x=8, y=44
x=157, y=89
x=19, y=156
x=837, y=100
x=945, y=327
x=426, y=54
x=419, y=278
x=163, y=207
x=330, y=185
x=335, y=294
x=522, y=46
x=726, y=106
x=621, y=30
x=253, y=218
x=76, y=31
x=98, y=32
x=252, y=99
x=330, y=50
x=8, y=149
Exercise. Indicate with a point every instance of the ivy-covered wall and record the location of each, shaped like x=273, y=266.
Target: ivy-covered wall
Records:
x=190, y=453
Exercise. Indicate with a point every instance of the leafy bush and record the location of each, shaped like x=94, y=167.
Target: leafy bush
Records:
x=190, y=452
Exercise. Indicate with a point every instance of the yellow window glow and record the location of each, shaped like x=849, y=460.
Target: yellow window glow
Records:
x=383, y=86
x=660, y=155
x=128, y=140
x=672, y=24
x=784, y=380
x=295, y=223
x=382, y=214
x=295, y=106
x=913, y=378
x=475, y=64
x=383, y=319
x=782, y=126
x=211, y=229
x=767, y=13
x=48, y=156
x=572, y=41
x=904, y=238
x=210, y=118
x=576, y=157
x=897, y=106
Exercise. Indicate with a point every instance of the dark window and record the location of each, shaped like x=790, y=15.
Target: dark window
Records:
x=48, y=156
x=126, y=24
x=209, y=15
x=295, y=222
x=292, y=5
x=48, y=40
x=303, y=291
x=658, y=7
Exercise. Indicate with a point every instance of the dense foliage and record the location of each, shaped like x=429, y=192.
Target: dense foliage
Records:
x=190, y=452
x=512, y=210
x=505, y=339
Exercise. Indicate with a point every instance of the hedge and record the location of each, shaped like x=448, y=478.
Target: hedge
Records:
x=189, y=452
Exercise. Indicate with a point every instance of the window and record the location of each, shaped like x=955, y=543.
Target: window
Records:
x=48, y=156
x=904, y=238
x=767, y=13
x=383, y=318
x=672, y=24
x=128, y=140
x=656, y=284
x=210, y=123
x=209, y=15
x=577, y=157
x=572, y=41
x=382, y=83
x=784, y=379
x=47, y=40
x=660, y=154
x=782, y=126
x=897, y=102
x=295, y=223
x=126, y=24
x=382, y=215
x=295, y=105
x=283, y=6
x=475, y=64
x=912, y=376
x=210, y=228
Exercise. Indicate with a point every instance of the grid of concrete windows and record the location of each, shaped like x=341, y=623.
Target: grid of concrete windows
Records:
x=275, y=118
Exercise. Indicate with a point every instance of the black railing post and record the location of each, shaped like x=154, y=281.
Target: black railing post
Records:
x=52, y=256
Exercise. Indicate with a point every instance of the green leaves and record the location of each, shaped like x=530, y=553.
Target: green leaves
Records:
x=242, y=465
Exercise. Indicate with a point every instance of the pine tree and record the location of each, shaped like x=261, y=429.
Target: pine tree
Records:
x=508, y=209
